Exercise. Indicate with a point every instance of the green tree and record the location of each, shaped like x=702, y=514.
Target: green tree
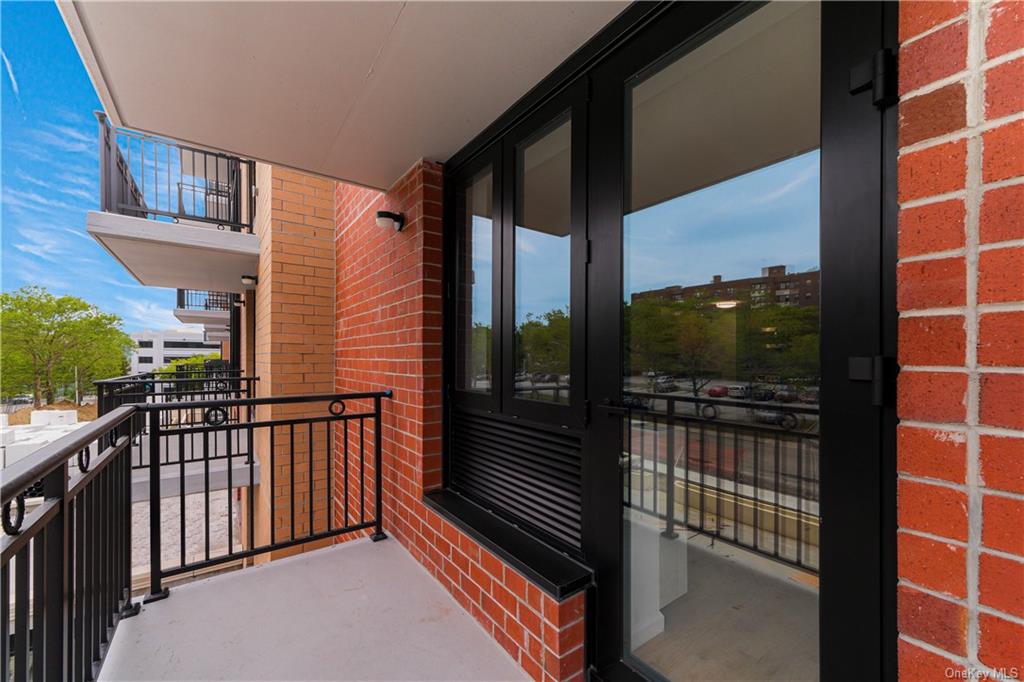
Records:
x=45, y=337
x=542, y=344
x=192, y=362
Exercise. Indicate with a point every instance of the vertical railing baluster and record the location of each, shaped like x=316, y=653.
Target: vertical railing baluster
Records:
x=309, y=492
x=231, y=511
x=362, y=470
x=291, y=478
x=206, y=493
x=21, y=643
x=378, y=472
x=5, y=622
x=345, y=521
x=799, y=501
x=156, y=590
x=39, y=598
x=329, y=437
x=57, y=576
x=181, y=498
x=273, y=487
x=670, y=470
x=755, y=488
x=78, y=661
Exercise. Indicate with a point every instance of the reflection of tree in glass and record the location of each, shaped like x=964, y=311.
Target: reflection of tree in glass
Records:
x=698, y=342
x=480, y=351
x=542, y=343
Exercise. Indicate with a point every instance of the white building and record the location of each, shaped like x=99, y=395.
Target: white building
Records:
x=154, y=349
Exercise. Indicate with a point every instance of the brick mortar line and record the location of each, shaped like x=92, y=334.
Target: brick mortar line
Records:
x=989, y=673
x=982, y=308
x=961, y=75
x=960, y=487
x=953, y=369
x=946, y=597
x=933, y=29
x=975, y=92
x=960, y=193
x=967, y=132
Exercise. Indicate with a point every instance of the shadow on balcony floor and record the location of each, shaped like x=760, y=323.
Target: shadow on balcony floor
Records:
x=358, y=611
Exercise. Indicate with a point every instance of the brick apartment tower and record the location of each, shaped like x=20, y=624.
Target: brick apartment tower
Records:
x=961, y=348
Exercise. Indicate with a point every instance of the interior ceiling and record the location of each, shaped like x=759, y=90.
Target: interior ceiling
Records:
x=357, y=91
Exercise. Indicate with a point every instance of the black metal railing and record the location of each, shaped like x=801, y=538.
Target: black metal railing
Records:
x=741, y=471
x=178, y=391
x=299, y=455
x=66, y=572
x=69, y=554
x=192, y=299
x=153, y=177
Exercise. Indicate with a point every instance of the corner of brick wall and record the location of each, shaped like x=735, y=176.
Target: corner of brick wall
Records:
x=388, y=336
x=961, y=302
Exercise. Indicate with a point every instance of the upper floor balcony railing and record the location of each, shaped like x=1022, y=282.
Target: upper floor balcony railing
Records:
x=152, y=177
x=192, y=299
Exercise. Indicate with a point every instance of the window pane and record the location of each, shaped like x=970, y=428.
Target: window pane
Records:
x=542, y=259
x=721, y=311
x=474, y=268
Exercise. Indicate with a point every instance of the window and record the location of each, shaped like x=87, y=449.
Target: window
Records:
x=145, y=344
x=474, y=275
x=189, y=344
x=145, y=359
x=543, y=222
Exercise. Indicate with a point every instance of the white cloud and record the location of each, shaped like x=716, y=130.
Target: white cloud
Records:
x=10, y=75
x=147, y=314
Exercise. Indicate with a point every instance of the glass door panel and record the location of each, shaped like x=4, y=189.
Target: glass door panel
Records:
x=543, y=258
x=721, y=294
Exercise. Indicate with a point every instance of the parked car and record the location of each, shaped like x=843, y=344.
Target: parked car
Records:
x=810, y=396
x=665, y=384
x=763, y=393
x=739, y=391
x=718, y=392
x=786, y=420
x=787, y=396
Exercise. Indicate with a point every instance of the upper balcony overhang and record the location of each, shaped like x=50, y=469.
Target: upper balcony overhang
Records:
x=208, y=318
x=351, y=90
x=177, y=255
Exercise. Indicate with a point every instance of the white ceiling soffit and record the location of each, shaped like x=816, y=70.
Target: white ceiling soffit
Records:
x=352, y=90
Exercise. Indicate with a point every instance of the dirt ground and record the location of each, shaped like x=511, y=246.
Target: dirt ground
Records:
x=24, y=415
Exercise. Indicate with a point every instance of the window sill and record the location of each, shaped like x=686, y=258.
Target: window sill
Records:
x=552, y=571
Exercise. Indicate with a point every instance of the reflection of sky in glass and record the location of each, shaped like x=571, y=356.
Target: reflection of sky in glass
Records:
x=542, y=273
x=733, y=229
x=481, y=271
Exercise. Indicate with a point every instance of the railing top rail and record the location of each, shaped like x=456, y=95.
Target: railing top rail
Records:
x=26, y=472
x=275, y=400
x=198, y=375
x=725, y=402
x=140, y=134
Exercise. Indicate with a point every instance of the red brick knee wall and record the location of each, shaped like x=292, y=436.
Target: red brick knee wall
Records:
x=388, y=335
x=961, y=301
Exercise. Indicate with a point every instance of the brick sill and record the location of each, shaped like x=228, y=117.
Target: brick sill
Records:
x=547, y=568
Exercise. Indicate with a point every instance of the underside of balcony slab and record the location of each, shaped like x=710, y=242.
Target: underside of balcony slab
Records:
x=177, y=256
x=357, y=611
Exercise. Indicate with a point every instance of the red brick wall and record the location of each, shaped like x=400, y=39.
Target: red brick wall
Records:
x=388, y=335
x=961, y=302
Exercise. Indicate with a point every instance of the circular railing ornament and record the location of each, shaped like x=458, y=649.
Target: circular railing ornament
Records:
x=13, y=526
x=215, y=416
x=221, y=385
x=337, y=408
x=84, y=455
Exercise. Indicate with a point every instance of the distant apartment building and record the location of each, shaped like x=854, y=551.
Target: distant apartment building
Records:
x=154, y=349
x=775, y=285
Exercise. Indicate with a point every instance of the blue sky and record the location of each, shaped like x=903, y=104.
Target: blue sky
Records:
x=49, y=174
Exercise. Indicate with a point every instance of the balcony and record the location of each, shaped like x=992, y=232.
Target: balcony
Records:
x=175, y=216
x=212, y=309
x=87, y=593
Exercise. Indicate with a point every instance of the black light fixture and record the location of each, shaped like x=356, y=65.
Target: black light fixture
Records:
x=390, y=220
x=250, y=280
x=239, y=302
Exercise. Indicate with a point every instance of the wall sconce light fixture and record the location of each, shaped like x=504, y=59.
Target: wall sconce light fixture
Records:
x=390, y=220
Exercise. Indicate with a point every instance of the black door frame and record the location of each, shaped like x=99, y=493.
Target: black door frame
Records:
x=863, y=628
x=856, y=607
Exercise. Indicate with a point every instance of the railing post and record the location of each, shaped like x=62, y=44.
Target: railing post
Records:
x=670, y=471
x=156, y=590
x=378, y=474
x=104, y=161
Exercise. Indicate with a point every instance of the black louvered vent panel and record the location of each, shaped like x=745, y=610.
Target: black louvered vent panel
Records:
x=530, y=475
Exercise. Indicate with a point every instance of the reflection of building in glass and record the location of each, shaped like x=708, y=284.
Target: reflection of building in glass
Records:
x=774, y=286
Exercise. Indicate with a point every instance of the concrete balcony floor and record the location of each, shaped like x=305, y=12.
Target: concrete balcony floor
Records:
x=356, y=611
